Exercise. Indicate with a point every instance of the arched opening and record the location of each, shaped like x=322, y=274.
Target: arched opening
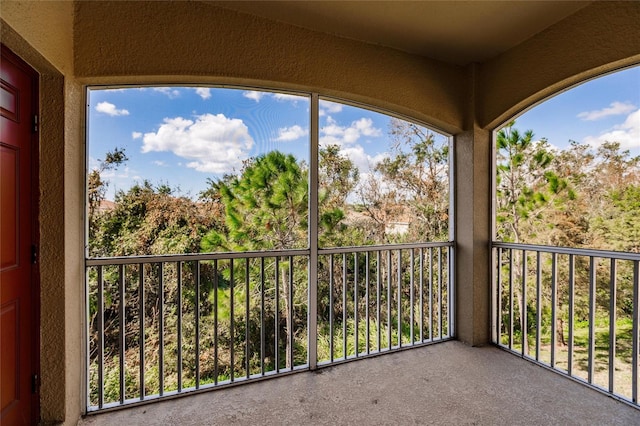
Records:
x=566, y=208
x=238, y=233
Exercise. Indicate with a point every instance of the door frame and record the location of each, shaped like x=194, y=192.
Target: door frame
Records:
x=34, y=332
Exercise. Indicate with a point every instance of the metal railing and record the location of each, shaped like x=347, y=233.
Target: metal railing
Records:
x=572, y=310
x=162, y=326
x=379, y=299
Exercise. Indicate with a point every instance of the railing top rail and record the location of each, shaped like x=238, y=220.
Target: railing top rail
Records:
x=191, y=257
x=608, y=254
x=384, y=247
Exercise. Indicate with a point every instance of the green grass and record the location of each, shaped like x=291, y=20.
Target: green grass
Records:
x=580, y=361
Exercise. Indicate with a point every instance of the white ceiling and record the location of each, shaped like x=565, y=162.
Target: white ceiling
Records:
x=458, y=32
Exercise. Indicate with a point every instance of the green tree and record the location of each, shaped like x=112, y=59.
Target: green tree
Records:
x=529, y=196
x=152, y=220
x=619, y=224
x=97, y=186
x=527, y=187
x=265, y=207
x=614, y=211
x=337, y=178
x=410, y=185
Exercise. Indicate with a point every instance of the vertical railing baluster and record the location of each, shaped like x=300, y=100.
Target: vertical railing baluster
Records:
x=161, y=327
x=247, y=354
x=440, y=291
x=499, y=296
x=356, y=348
x=277, y=315
x=445, y=282
x=378, y=299
x=495, y=295
x=571, y=312
x=634, y=349
x=331, y=308
x=197, y=321
x=89, y=344
x=366, y=296
x=100, y=312
x=215, y=321
x=232, y=324
x=510, y=298
x=399, y=298
x=421, y=278
x=523, y=310
x=141, y=342
x=389, y=328
x=411, y=296
x=554, y=306
x=263, y=337
x=612, y=324
x=451, y=292
x=344, y=305
x=290, y=314
x=312, y=234
x=431, y=293
x=538, y=302
x=121, y=332
x=592, y=317
x=179, y=325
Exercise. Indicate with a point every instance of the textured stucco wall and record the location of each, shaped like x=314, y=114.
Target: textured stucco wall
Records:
x=472, y=171
x=200, y=42
x=74, y=288
x=602, y=37
x=56, y=392
x=46, y=25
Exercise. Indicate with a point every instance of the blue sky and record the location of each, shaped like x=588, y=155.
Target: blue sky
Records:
x=602, y=109
x=183, y=135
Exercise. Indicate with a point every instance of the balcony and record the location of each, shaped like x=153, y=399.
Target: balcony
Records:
x=370, y=304
x=444, y=383
x=162, y=326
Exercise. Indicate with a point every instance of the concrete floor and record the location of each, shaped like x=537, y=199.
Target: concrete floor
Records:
x=447, y=383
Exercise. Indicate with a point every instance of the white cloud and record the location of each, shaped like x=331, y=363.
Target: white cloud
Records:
x=136, y=135
x=94, y=164
x=110, y=109
x=203, y=92
x=365, y=126
x=171, y=93
x=160, y=163
x=333, y=133
x=118, y=173
x=256, y=96
x=213, y=143
x=627, y=133
x=347, y=137
x=286, y=134
x=616, y=108
x=281, y=97
x=363, y=161
x=327, y=107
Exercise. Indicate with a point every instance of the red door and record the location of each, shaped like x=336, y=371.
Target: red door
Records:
x=19, y=288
